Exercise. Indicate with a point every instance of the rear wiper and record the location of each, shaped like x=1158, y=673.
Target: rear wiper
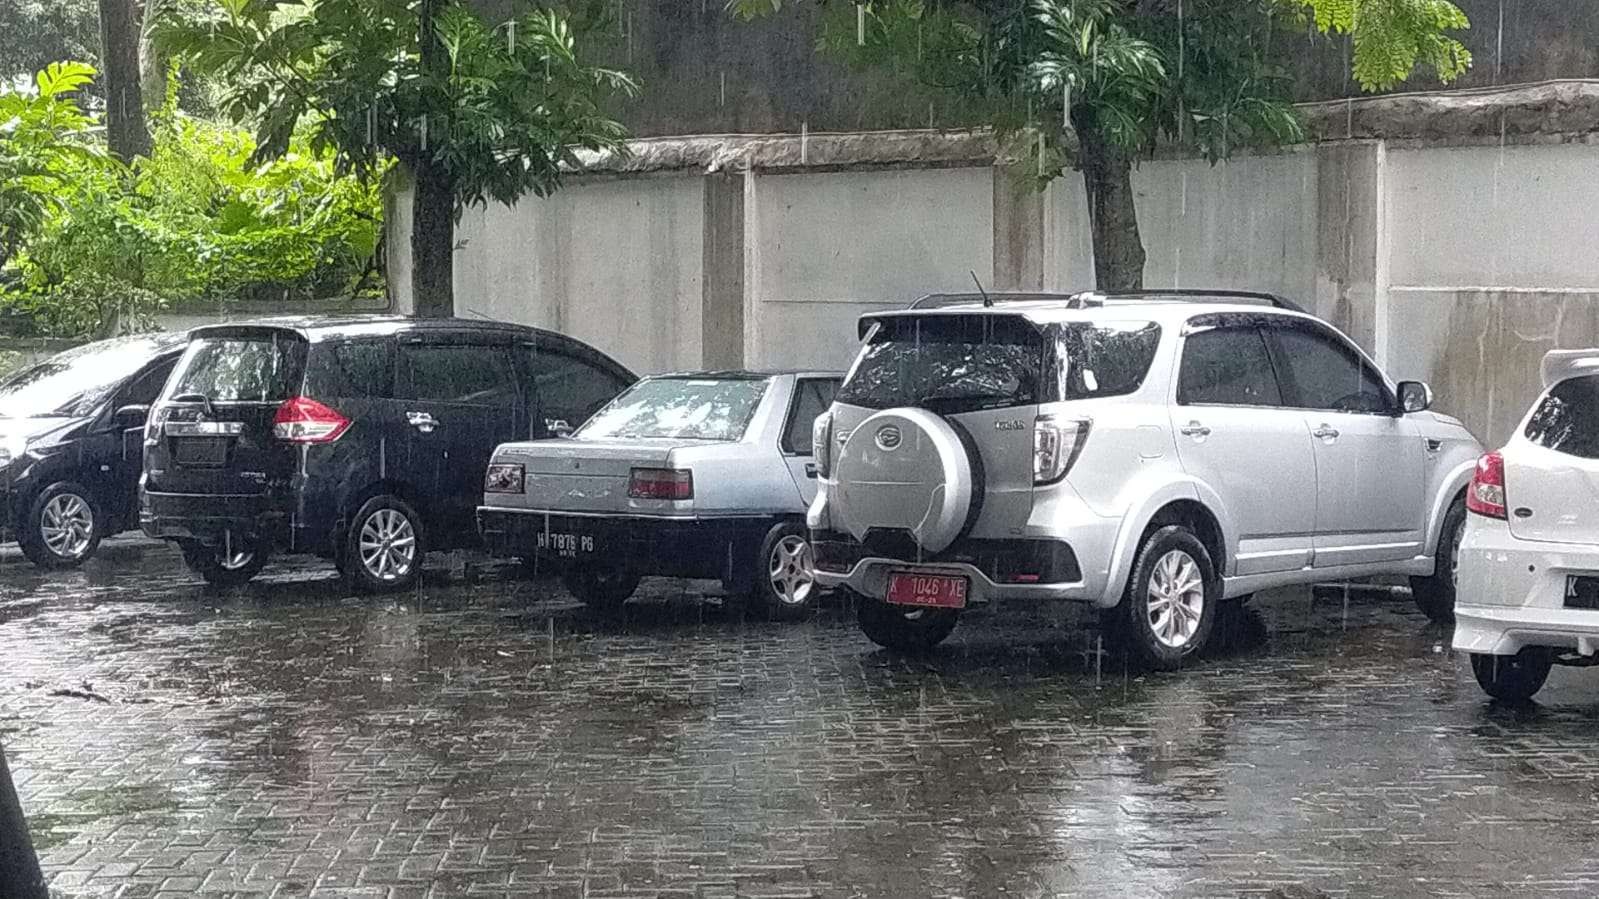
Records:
x=977, y=400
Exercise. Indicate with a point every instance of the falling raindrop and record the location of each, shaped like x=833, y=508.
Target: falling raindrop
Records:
x=805, y=142
x=724, y=88
x=423, y=127
x=510, y=36
x=860, y=24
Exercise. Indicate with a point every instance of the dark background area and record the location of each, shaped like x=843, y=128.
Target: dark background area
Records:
x=705, y=73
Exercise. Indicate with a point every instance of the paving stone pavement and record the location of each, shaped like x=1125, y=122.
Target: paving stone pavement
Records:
x=486, y=737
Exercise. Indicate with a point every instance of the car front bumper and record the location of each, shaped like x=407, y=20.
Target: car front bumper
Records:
x=1512, y=593
x=691, y=547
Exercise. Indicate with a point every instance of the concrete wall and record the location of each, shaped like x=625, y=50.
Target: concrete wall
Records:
x=614, y=263
x=1460, y=266
x=826, y=248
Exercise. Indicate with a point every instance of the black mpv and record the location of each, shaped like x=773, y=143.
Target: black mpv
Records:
x=69, y=444
x=359, y=439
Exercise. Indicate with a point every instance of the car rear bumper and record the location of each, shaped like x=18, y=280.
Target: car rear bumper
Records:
x=1020, y=569
x=651, y=545
x=206, y=517
x=1512, y=593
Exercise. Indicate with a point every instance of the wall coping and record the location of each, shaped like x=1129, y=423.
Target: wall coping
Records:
x=1564, y=111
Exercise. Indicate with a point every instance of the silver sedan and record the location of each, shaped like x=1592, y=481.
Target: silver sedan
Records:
x=694, y=475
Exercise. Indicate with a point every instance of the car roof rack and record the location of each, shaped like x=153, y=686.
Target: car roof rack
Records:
x=1090, y=298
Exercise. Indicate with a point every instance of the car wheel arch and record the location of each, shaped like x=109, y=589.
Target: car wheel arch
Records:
x=1182, y=504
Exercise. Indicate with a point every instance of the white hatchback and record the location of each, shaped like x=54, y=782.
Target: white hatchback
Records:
x=1528, y=578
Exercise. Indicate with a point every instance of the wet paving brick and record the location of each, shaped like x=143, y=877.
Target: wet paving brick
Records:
x=486, y=736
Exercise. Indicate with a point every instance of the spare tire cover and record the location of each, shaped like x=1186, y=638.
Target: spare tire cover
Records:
x=904, y=469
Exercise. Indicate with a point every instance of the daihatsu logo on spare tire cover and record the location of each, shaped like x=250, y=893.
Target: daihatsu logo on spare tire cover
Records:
x=888, y=438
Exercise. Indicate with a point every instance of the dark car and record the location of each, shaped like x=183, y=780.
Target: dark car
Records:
x=359, y=439
x=69, y=444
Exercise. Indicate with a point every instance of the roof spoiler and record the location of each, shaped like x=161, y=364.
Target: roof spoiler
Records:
x=1558, y=365
x=865, y=324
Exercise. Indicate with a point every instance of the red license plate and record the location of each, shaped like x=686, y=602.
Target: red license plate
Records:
x=930, y=590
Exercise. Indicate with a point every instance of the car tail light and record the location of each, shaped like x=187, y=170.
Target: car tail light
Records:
x=304, y=420
x=1486, y=496
x=505, y=477
x=821, y=433
x=153, y=424
x=661, y=483
x=1056, y=445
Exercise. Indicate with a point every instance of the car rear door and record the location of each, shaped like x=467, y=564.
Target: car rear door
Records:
x=1371, y=477
x=458, y=397
x=212, y=432
x=1234, y=434
x=1552, y=473
x=811, y=398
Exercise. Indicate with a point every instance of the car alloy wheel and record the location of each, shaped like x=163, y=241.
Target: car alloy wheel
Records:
x=388, y=545
x=792, y=569
x=1176, y=599
x=67, y=525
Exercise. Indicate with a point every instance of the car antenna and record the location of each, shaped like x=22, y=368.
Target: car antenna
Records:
x=987, y=303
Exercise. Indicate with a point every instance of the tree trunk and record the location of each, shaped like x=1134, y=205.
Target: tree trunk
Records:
x=1113, y=220
x=433, y=242
x=20, y=877
x=126, y=133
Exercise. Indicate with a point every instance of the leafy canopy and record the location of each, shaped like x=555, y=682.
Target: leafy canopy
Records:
x=1131, y=72
x=96, y=245
x=501, y=114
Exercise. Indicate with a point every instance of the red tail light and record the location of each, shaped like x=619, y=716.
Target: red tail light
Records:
x=661, y=483
x=304, y=420
x=1486, y=496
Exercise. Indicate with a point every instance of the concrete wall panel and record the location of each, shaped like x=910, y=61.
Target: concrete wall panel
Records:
x=1482, y=216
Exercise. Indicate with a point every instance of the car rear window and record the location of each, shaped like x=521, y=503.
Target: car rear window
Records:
x=960, y=363
x=681, y=408
x=1567, y=419
x=241, y=369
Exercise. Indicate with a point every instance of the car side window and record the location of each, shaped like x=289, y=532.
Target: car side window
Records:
x=1321, y=371
x=812, y=396
x=569, y=389
x=1227, y=366
x=351, y=368
x=146, y=386
x=474, y=375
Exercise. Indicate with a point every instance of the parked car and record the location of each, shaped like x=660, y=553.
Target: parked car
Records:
x=360, y=439
x=70, y=448
x=1151, y=453
x=1529, y=561
x=700, y=475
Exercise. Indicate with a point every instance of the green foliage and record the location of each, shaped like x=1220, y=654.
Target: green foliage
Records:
x=1395, y=37
x=501, y=111
x=197, y=220
x=46, y=144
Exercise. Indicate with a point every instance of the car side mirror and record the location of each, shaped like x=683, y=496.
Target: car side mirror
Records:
x=132, y=416
x=1414, y=396
x=558, y=427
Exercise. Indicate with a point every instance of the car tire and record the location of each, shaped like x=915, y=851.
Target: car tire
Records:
x=1174, y=570
x=602, y=588
x=62, y=527
x=784, y=584
x=1435, y=594
x=903, y=629
x=219, y=568
x=384, y=546
x=1513, y=679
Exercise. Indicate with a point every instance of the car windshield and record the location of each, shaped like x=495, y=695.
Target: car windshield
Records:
x=249, y=368
x=681, y=408
x=77, y=381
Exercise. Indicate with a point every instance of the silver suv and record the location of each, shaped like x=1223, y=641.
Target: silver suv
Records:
x=1151, y=453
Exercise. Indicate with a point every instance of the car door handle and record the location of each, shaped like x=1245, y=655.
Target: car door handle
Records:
x=1325, y=432
x=810, y=469
x=1195, y=429
x=422, y=421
